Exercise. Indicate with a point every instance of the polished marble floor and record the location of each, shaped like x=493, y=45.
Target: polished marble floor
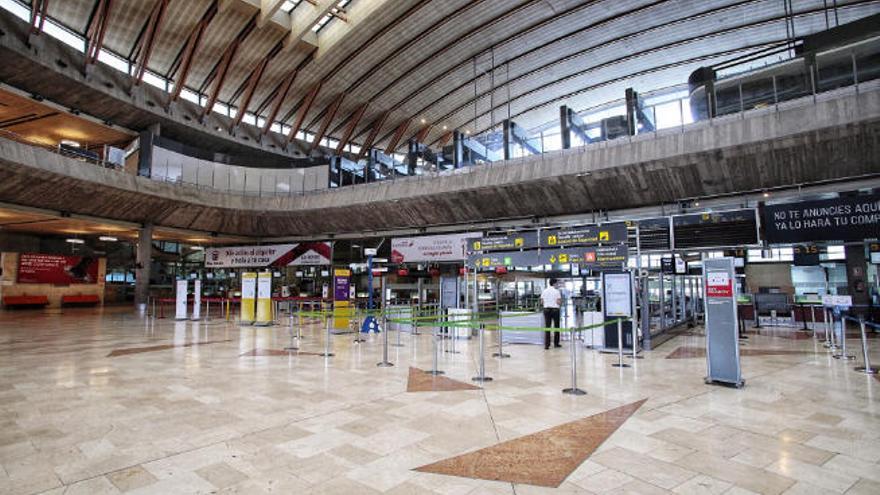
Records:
x=103, y=402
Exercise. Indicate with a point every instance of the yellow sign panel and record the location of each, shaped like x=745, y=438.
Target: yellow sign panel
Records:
x=604, y=236
x=551, y=240
x=518, y=242
x=477, y=245
x=342, y=272
x=487, y=261
x=563, y=258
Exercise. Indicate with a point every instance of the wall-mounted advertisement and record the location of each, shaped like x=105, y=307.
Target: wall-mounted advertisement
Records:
x=36, y=268
x=452, y=247
x=850, y=218
x=300, y=254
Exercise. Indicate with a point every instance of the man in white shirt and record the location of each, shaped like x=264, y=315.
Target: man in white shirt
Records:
x=551, y=299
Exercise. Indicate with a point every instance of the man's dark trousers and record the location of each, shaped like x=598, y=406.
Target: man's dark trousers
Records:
x=551, y=320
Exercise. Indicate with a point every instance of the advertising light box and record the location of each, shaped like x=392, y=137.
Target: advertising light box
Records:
x=851, y=218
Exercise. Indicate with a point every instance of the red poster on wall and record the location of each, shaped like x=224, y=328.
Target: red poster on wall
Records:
x=57, y=269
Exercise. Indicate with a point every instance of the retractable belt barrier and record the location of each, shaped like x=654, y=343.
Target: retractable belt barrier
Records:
x=867, y=369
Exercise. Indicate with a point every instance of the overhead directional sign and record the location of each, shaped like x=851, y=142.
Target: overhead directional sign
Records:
x=610, y=233
x=597, y=257
x=516, y=240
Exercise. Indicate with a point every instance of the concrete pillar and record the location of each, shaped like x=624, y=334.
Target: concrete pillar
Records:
x=142, y=272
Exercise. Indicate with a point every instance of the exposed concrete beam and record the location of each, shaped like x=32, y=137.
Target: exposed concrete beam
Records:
x=224, y=64
x=279, y=97
x=39, y=12
x=268, y=8
x=192, y=45
x=349, y=129
x=374, y=131
x=96, y=30
x=148, y=40
x=398, y=134
x=303, y=110
x=423, y=133
x=327, y=119
x=444, y=139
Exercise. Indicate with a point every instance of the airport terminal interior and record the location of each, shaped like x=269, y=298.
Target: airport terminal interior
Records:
x=439, y=247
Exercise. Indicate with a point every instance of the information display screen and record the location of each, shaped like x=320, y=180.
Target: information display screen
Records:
x=726, y=228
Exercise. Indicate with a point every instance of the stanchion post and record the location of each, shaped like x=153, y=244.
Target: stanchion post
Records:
x=574, y=390
x=435, y=337
x=327, y=352
x=829, y=342
x=620, y=363
x=500, y=354
x=358, y=338
x=866, y=369
x=385, y=363
x=842, y=340
x=482, y=364
x=813, y=318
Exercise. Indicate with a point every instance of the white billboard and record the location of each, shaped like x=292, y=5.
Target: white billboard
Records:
x=305, y=253
x=450, y=247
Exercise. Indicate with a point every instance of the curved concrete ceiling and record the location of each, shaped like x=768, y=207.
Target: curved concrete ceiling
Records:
x=435, y=65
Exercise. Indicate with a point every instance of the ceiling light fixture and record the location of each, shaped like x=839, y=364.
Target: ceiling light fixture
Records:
x=74, y=240
x=107, y=238
x=197, y=248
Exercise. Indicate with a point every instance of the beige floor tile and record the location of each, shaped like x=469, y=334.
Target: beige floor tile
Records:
x=744, y=476
x=702, y=484
x=655, y=472
x=131, y=478
x=814, y=475
x=95, y=486
x=864, y=487
x=851, y=466
x=221, y=475
x=184, y=419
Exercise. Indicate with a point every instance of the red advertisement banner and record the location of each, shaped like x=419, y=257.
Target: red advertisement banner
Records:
x=57, y=269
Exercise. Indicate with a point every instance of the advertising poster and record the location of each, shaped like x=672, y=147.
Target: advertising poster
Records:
x=57, y=269
x=852, y=218
x=180, y=300
x=452, y=247
x=300, y=254
x=341, y=284
x=264, y=298
x=248, y=296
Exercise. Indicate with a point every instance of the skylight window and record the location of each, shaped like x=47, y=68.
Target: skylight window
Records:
x=338, y=9
x=289, y=5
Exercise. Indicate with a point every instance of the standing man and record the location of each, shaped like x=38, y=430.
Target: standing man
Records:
x=551, y=299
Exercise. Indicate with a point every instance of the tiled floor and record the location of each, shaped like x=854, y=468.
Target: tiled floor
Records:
x=238, y=416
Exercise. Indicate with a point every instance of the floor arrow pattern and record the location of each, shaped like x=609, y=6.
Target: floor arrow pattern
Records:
x=544, y=458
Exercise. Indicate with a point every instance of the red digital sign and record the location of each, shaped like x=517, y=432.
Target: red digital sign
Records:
x=57, y=269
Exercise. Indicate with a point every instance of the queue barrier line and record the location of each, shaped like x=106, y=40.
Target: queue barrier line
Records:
x=476, y=324
x=866, y=360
